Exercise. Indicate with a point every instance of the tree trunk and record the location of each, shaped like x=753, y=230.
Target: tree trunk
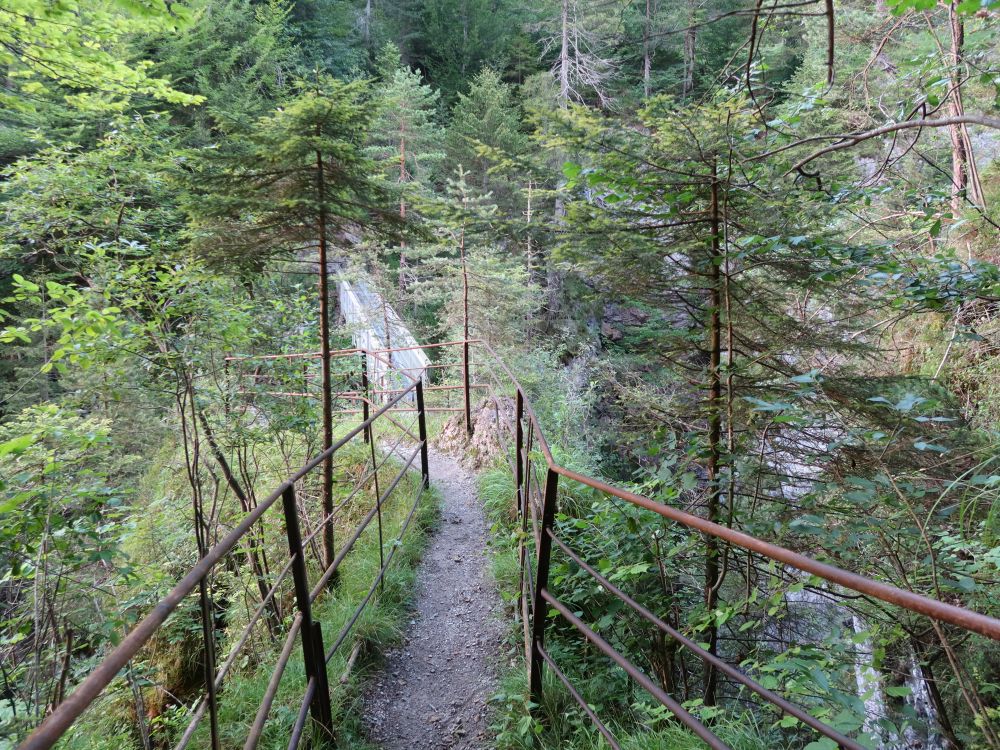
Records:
x=564, y=57
x=921, y=652
x=965, y=180
x=647, y=60
x=324, y=333
x=529, y=260
x=690, y=40
x=254, y=542
x=712, y=575
x=403, y=177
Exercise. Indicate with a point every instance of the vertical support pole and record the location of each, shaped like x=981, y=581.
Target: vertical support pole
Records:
x=378, y=506
x=714, y=464
x=422, y=423
x=364, y=395
x=521, y=499
x=519, y=447
x=325, y=734
x=312, y=638
x=467, y=390
x=208, y=638
x=540, y=609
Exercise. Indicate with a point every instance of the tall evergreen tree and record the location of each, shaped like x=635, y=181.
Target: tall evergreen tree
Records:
x=406, y=139
x=487, y=116
x=298, y=180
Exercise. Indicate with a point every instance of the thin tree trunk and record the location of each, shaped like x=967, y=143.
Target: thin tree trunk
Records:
x=921, y=651
x=647, y=60
x=528, y=256
x=564, y=57
x=324, y=332
x=690, y=43
x=714, y=438
x=254, y=542
x=965, y=175
x=403, y=177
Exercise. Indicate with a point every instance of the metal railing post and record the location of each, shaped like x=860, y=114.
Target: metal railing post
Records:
x=521, y=503
x=422, y=422
x=519, y=446
x=208, y=639
x=540, y=608
x=312, y=638
x=378, y=507
x=467, y=389
x=364, y=395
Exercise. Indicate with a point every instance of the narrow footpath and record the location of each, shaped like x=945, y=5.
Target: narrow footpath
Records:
x=433, y=692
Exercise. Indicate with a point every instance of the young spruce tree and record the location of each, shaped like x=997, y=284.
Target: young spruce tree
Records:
x=298, y=180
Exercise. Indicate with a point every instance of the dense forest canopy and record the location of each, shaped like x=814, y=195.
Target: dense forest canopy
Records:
x=743, y=253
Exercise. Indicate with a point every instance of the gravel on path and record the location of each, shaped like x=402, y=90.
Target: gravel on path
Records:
x=433, y=691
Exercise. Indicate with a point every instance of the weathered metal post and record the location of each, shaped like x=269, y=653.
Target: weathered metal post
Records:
x=467, y=390
x=540, y=607
x=521, y=500
x=422, y=423
x=312, y=638
x=364, y=395
x=378, y=505
x=208, y=638
x=518, y=448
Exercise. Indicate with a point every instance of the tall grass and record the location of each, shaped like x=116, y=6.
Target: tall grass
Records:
x=111, y=724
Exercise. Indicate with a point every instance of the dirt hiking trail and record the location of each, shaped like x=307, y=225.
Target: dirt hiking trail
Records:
x=433, y=691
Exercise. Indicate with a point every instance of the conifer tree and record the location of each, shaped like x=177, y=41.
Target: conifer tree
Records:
x=485, y=119
x=299, y=180
x=406, y=141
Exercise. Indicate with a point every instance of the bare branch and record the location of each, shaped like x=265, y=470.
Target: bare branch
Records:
x=847, y=140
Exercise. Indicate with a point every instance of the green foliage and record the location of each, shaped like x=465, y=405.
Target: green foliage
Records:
x=819, y=372
x=458, y=37
x=267, y=195
x=71, y=46
x=60, y=526
x=485, y=116
x=238, y=57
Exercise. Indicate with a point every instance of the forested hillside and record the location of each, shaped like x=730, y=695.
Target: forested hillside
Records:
x=742, y=255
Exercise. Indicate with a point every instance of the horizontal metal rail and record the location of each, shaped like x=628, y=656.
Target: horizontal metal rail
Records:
x=941, y=611
x=365, y=522
x=260, y=719
x=534, y=583
x=579, y=699
x=682, y=714
x=723, y=666
x=55, y=725
x=342, y=636
x=536, y=500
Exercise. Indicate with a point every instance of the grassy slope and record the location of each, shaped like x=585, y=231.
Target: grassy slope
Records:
x=173, y=657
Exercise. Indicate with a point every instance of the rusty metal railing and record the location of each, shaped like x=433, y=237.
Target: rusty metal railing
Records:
x=303, y=627
x=537, y=500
